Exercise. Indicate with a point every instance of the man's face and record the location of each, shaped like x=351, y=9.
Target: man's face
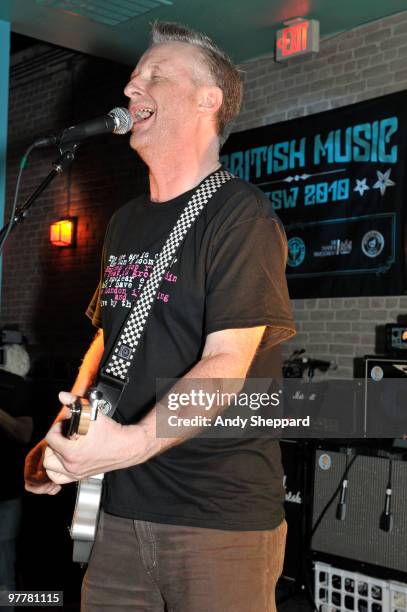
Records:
x=163, y=95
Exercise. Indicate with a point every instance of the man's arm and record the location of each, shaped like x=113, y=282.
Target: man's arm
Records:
x=110, y=446
x=227, y=355
x=36, y=478
x=90, y=366
x=18, y=429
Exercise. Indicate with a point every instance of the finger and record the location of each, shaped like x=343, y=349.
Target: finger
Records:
x=56, y=440
x=65, y=413
x=67, y=398
x=50, y=488
x=53, y=462
x=59, y=478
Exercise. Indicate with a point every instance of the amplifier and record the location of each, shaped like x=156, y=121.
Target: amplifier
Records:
x=385, y=396
x=359, y=537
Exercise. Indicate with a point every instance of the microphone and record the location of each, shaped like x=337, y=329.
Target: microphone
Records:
x=118, y=121
x=386, y=518
x=341, y=507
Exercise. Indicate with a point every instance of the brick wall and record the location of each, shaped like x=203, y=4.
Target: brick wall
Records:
x=366, y=62
x=46, y=289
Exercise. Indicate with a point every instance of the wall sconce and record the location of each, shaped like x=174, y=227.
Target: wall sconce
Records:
x=63, y=232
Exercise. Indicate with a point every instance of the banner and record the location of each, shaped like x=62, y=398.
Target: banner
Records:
x=337, y=180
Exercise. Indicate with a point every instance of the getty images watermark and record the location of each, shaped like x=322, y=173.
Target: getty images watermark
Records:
x=223, y=408
x=210, y=401
x=287, y=408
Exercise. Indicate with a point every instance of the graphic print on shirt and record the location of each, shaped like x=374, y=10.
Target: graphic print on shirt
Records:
x=126, y=275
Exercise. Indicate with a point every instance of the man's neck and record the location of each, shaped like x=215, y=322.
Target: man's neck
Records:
x=175, y=174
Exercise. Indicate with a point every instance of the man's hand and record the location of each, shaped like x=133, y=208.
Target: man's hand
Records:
x=36, y=478
x=107, y=446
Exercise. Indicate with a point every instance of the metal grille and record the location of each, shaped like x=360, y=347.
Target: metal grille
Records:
x=108, y=12
x=358, y=537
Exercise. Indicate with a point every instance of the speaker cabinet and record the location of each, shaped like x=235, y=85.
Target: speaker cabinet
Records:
x=359, y=537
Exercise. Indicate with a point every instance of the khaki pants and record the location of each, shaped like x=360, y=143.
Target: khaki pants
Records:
x=148, y=567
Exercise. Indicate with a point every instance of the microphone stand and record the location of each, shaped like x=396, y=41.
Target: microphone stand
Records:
x=59, y=165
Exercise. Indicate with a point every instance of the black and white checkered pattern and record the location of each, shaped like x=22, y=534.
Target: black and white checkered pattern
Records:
x=120, y=359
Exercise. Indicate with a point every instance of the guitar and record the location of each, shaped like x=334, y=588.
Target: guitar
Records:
x=85, y=518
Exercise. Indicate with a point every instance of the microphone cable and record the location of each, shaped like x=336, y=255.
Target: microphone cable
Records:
x=22, y=165
x=332, y=498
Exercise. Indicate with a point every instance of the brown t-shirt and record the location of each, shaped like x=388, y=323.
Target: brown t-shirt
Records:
x=228, y=273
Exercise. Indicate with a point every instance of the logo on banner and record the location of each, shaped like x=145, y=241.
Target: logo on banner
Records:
x=296, y=252
x=372, y=243
x=335, y=247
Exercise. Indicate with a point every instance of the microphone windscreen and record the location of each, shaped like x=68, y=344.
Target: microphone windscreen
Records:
x=124, y=120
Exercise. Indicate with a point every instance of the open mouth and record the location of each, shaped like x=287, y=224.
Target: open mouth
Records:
x=143, y=114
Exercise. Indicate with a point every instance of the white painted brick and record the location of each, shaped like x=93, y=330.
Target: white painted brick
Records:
x=341, y=349
x=346, y=338
x=393, y=315
x=403, y=302
x=377, y=302
x=321, y=337
x=385, y=79
x=339, y=326
x=300, y=339
x=374, y=315
x=317, y=107
x=322, y=315
x=347, y=315
x=362, y=326
x=324, y=303
x=317, y=349
x=294, y=113
x=302, y=315
x=401, y=75
x=391, y=302
x=313, y=326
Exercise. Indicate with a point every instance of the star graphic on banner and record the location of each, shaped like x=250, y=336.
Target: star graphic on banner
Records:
x=383, y=181
x=361, y=186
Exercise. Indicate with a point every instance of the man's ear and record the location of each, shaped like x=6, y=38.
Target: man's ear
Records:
x=210, y=99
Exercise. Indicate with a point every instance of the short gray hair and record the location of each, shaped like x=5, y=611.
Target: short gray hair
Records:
x=225, y=75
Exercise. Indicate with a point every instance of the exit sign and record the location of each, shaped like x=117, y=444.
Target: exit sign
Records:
x=301, y=36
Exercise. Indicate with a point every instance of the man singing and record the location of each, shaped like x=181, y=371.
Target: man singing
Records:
x=192, y=525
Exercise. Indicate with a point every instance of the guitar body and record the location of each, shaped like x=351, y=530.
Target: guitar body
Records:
x=103, y=398
x=88, y=496
x=86, y=516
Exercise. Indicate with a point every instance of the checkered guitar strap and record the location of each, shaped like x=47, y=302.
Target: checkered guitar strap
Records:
x=118, y=363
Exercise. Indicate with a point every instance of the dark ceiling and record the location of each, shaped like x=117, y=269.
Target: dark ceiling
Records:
x=118, y=29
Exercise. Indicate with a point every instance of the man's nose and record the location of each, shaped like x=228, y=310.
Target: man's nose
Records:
x=133, y=88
